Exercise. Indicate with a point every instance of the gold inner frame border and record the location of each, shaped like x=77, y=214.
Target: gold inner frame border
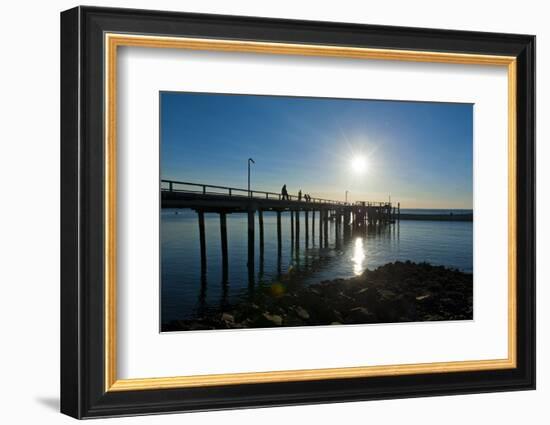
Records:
x=111, y=43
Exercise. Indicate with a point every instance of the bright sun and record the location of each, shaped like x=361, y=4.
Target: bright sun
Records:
x=359, y=164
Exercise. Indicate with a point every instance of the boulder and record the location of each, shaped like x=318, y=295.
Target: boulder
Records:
x=302, y=313
x=228, y=318
x=274, y=318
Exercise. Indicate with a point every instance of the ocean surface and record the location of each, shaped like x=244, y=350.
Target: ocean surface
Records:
x=187, y=293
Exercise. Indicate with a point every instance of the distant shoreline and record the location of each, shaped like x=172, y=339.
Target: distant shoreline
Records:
x=437, y=217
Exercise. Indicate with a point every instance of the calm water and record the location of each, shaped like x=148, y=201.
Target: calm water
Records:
x=186, y=294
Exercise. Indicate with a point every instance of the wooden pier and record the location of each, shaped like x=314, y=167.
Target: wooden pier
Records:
x=224, y=200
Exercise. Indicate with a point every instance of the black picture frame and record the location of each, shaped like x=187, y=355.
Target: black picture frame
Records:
x=83, y=392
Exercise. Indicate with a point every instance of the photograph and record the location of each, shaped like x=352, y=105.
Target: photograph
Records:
x=284, y=211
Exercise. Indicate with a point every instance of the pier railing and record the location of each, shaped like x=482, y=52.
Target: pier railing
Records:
x=207, y=189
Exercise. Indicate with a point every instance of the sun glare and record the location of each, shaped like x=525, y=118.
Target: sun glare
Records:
x=358, y=256
x=359, y=164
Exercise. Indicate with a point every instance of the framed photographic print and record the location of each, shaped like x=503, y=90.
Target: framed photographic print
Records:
x=261, y=212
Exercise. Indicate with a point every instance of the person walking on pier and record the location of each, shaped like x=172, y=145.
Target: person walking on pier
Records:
x=300, y=195
x=284, y=192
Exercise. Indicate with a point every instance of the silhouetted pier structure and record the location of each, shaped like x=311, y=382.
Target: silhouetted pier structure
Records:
x=224, y=200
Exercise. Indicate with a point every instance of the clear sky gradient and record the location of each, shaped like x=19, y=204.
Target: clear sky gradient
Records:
x=419, y=153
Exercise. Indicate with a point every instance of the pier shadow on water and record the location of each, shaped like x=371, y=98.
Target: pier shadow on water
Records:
x=322, y=253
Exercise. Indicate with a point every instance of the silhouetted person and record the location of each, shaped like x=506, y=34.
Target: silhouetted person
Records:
x=284, y=192
x=300, y=195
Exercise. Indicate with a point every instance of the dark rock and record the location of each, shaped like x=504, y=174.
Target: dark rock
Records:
x=359, y=315
x=228, y=318
x=274, y=318
x=302, y=313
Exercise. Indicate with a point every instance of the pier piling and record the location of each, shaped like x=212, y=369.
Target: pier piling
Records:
x=292, y=228
x=325, y=225
x=306, y=217
x=202, y=237
x=313, y=227
x=279, y=241
x=261, y=226
x=337, y=223
x=250, y=240
x=321, y=228
x=347, y=217
x=223, y=235
x=297, y=230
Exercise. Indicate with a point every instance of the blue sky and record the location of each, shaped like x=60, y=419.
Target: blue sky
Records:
x=419, y=153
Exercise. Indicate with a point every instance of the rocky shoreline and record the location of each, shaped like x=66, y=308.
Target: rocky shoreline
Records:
x=395, y=292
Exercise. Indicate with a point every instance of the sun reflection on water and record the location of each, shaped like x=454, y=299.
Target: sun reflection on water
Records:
x=358, y=256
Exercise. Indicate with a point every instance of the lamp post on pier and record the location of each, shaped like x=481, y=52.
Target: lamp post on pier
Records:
x=250, y=160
